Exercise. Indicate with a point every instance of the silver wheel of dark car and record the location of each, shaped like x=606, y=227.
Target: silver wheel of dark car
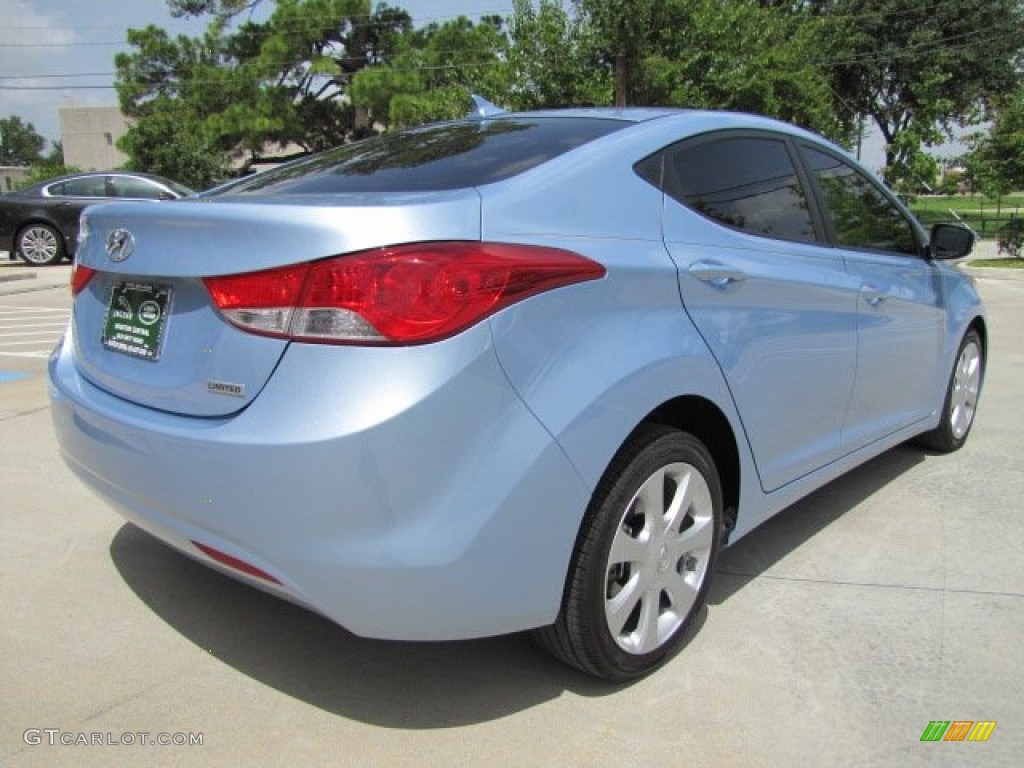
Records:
x=40, y=244
x=644, y=558
x=962, y=395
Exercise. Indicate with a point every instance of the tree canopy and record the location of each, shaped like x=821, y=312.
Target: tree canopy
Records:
x=918, y=67
x=745, y=56
x=315, y=73
x=20, y=144
x=430, y=76
x=996, y=161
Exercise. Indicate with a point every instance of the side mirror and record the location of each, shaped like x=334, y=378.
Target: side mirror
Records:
x=950, y=241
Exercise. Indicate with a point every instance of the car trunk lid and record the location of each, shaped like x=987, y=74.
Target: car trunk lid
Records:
x=146, y=329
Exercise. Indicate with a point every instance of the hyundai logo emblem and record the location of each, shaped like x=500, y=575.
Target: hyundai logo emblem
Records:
x=120, y=244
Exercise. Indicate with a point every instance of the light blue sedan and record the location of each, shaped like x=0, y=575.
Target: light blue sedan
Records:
x=519, y=372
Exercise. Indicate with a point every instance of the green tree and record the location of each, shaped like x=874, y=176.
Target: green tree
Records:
x=436, y=70
x=745, y=56
x=170, y=87
x=227, y=96
x=918, y=67
x=996, y=159
x=554, y=58
x=625, y=29
x=311, y=51
x=169, y=142
x=20, y=144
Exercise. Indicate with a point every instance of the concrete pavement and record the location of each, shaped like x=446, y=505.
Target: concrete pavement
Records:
x=834, y=634
x=19, y=277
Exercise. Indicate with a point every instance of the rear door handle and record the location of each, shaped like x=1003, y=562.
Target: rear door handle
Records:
x=717, y=275
x=872, y=295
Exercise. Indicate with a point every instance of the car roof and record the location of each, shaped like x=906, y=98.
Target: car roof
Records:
x=627, y=114
x=663, y=123
x=680, y=119
x=707, y=117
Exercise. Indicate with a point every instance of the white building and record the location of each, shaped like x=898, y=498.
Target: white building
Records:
x=89, y=136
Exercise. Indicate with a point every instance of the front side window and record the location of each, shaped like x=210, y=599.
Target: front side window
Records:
x=747, y=183
x=862, y=216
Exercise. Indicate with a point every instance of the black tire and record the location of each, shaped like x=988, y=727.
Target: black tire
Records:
x=664, y=585
x=961, y=401
x=40, y=245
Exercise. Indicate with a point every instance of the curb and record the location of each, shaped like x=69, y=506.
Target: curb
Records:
x=28, y=281
x=12, y=289
x=995, y=273
x=20, y=276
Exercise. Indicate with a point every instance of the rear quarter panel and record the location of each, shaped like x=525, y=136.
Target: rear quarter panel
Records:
x=594, y=359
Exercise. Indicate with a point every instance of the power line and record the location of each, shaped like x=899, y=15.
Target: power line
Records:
x=76, y=44
x=302, y=19
x=50, y=77
x=947, y=44
x=952, y=43
x=56, y=87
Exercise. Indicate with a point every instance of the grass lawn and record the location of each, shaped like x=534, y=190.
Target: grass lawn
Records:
x=978, y=212
x=1003, y=263
x=969, y=204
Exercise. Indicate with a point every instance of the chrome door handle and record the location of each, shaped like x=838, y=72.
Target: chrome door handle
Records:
x=872, y=295
x=718, y=275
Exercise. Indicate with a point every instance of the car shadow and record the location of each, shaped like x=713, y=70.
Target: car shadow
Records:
x=424, y=685
x=763, y=547
x=298, y=652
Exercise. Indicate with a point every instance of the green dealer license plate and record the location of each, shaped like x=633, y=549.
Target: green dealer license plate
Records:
x=136, y=318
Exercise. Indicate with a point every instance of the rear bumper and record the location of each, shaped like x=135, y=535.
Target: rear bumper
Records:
x=401, y=498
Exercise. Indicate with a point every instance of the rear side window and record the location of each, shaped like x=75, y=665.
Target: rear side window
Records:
x=743, y=182
x=863, y=217
x=438, y=157
x=88, y=186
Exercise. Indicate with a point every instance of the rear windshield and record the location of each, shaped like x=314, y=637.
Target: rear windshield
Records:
x=437, y=157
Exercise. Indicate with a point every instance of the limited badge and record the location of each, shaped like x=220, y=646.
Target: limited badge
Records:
x=225, y=388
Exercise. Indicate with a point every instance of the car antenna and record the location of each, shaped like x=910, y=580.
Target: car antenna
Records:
x=482, y=108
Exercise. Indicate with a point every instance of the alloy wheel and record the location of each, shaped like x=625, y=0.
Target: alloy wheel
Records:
x=659, y=558
x=966, y=388
x=39, y=245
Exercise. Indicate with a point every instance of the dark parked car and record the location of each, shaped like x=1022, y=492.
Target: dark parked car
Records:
x=39, y=224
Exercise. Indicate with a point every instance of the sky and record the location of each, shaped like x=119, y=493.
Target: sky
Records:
x=77, y=39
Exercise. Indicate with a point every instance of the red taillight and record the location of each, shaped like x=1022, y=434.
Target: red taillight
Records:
x=262, y=302
x=80, y=277
x=399, y=295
